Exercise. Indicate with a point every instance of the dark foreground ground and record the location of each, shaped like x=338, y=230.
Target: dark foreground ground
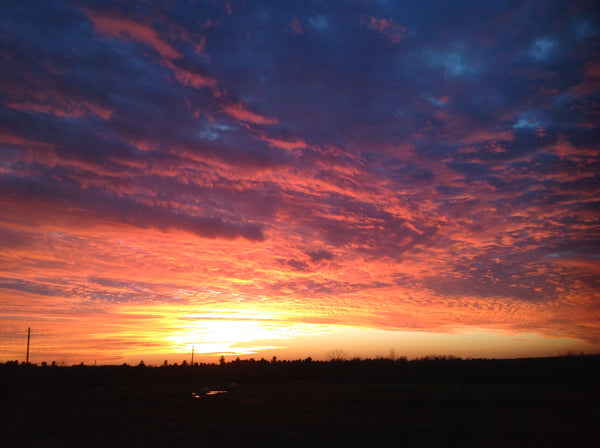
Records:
x=96, y=408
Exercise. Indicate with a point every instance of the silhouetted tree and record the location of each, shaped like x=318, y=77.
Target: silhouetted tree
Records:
x=337, y=355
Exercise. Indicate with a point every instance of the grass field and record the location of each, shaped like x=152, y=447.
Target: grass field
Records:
x=154, y=407
x=305, y=414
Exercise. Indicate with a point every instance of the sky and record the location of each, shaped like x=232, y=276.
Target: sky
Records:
x=267, y=178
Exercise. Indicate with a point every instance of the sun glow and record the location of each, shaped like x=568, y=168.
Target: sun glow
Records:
x=235, y=333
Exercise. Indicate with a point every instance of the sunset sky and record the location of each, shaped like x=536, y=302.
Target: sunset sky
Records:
x=274, y=178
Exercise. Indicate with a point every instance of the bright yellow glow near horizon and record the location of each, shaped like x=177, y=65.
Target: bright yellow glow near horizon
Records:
x=168, y=332
x=219, y=334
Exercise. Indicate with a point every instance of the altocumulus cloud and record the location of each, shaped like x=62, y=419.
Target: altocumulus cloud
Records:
x=397, y=164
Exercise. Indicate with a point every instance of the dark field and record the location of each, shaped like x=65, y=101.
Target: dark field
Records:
x=337, y=404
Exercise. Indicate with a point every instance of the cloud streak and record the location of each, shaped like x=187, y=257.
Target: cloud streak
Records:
x=115, y=26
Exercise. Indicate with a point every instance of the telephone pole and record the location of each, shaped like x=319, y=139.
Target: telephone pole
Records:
x=28, y=337
x=27, y=362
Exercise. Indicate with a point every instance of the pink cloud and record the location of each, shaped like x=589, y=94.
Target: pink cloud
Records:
x=592, y=69
x=565, y=149
x=394, y=32
x=20, y=141
x=63, y=107
x=483, y=135
x=288, y=145
x=126, y=29
x=239, y=112
x=591, y=80
x=200, y=47
x=191, y=79
x=53, y=99
x=196, y=41
x=296, y=27
x=98, y=110
x=583, y=263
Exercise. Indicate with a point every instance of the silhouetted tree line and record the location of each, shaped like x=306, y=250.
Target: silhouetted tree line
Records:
x=84, y=378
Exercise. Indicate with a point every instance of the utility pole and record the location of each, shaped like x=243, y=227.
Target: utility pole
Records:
x=28, y=337
x=27, y=362
x=191, y=374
